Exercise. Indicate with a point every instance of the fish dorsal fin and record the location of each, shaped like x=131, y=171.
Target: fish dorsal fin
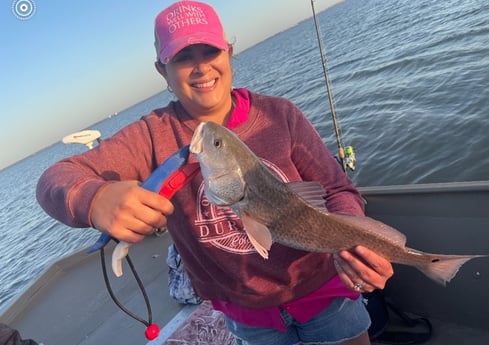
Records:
x=311, y=191
x=373, y=226
x=258, y=234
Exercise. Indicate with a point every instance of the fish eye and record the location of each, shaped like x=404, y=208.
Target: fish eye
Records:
x=217, y=143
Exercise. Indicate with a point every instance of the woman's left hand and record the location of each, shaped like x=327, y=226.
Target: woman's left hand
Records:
x=362, y=270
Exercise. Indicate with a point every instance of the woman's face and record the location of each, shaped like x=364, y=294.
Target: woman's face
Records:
x=201, y=78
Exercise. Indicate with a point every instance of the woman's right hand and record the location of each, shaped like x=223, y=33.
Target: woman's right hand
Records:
x=129, y=212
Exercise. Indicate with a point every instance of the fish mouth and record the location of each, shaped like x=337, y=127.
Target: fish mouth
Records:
x=197, y=139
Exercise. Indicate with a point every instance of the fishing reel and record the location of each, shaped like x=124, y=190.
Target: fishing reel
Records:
x=350, y=160
x=346, y=158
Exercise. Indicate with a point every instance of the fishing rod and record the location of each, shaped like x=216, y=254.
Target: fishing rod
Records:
x=346, y=155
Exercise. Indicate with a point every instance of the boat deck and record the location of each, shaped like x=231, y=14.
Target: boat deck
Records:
x=70, y=304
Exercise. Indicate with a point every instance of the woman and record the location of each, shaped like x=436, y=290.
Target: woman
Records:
x=295, y=296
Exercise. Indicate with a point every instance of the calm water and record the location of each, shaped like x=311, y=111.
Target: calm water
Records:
x=410, y=82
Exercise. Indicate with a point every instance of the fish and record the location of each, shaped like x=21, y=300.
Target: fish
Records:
x=294, y=214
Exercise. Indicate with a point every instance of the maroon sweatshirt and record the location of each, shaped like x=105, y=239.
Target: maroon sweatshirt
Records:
x=216, y=252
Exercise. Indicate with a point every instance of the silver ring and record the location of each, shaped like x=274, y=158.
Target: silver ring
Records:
x=359, y=286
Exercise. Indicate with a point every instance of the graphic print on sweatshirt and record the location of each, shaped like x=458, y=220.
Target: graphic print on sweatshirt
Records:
x=220, y=227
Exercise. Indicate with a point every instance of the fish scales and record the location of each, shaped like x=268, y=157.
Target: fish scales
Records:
x=272, y=211
x=298, y=225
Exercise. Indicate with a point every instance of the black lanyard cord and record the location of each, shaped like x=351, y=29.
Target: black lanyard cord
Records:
x=141, y=288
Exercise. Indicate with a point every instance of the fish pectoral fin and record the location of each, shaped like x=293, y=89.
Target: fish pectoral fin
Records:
x=262, y=251
x=312, y=192
x=258, y=234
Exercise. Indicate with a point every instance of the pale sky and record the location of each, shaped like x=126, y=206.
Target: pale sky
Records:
x=66, y=65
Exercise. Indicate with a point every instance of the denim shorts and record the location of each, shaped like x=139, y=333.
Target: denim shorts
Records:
x=342, y=320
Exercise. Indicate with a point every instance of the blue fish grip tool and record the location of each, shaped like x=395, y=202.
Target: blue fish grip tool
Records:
x=165, y=180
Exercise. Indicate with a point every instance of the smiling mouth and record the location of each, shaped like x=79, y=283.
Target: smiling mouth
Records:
x=208, y=84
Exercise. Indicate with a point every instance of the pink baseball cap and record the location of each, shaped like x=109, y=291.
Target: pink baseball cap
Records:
x=185, y=23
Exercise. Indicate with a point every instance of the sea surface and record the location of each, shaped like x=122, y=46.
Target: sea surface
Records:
x=410, y=82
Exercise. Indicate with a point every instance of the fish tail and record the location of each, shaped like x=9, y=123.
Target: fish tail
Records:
x=442, y=268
